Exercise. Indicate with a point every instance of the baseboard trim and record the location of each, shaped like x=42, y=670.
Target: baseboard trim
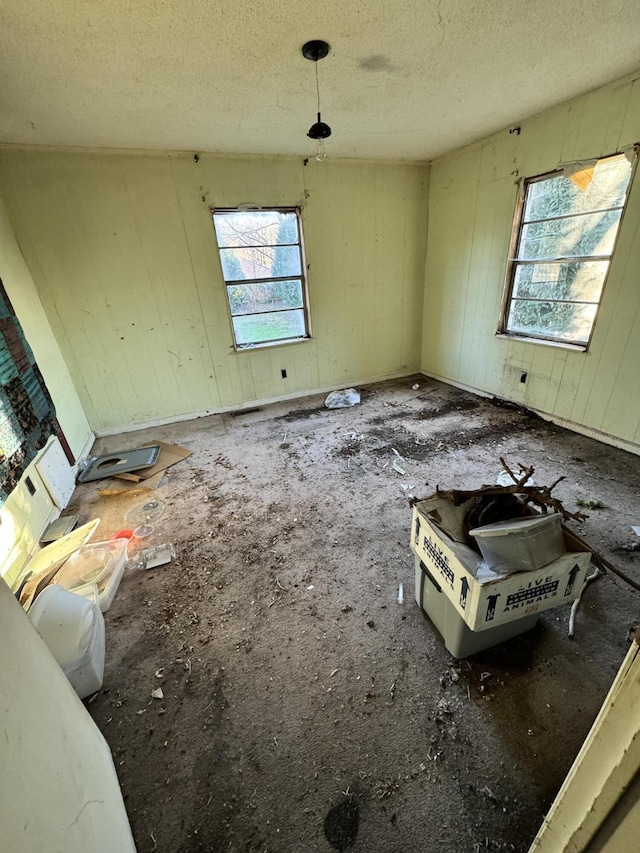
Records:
x=249, y=404
x=590, y=432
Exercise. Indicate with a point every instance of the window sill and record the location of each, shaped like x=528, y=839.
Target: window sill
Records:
x=270, y=344
x=526, y=340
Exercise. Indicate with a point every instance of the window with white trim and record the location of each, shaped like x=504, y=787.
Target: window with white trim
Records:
x=263, y=266
x=564, y=236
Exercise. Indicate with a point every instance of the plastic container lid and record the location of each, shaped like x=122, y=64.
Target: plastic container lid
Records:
x=148, y=512
x=517, y=526
x=93, y=564
x=98, y=566
x=86, y=566
x=143, y=531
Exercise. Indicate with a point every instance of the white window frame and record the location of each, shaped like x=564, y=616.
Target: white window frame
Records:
x=243, y=347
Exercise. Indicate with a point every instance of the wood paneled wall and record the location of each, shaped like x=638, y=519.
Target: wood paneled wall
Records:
x=471, y=207
x=123, y=253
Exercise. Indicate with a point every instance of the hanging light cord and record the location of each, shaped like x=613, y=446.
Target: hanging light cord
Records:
x=317, y=86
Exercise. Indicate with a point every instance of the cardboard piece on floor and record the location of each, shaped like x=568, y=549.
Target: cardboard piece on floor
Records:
x=121, y=487
x=170, y=454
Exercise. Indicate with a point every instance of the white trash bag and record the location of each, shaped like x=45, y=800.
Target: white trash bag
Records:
x=342, y=399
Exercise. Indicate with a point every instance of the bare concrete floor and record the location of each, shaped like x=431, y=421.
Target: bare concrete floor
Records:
x=304, y=708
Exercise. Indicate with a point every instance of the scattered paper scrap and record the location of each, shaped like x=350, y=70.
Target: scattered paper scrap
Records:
x=157, y=693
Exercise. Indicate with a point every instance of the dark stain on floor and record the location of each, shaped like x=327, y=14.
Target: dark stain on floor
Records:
x=341, y=824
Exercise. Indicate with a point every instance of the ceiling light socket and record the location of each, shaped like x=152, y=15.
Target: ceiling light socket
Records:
x=315, y=50
x=319, y=130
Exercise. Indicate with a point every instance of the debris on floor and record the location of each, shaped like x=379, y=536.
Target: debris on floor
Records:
x=148, y=512
x=262, y=738
x=632, y=546
x=538, y=495
x=342, y=399
x=46, y=563
x=159, y=555
x=117, y=487
x=135, y=480
x=119, y=462
x=596, y=573
x=170, y=454
x=58, y=528
x=590, y=503
x=491, y=581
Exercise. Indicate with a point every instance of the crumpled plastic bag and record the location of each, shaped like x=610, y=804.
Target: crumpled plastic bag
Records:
x=342, y=399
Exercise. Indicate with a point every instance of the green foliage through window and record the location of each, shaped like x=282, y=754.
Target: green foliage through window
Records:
x=566, y=235
x=263, y=268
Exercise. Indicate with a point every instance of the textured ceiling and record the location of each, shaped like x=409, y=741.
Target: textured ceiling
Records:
x=408, y=79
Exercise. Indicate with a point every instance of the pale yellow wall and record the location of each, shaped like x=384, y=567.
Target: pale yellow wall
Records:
x=22, y=292
x=471, y=208
x=123, y=253
x=58, y=787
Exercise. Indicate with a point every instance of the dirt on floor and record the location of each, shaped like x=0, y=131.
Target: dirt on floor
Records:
x=304, y=708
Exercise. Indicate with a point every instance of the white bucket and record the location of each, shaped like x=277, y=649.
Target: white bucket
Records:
x=73, y=629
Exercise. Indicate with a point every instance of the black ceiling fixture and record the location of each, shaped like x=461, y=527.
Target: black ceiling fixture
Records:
x=316, y=50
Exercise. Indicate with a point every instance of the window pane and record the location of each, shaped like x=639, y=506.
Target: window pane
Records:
x=580, y=281
x=559, y=196
x=255, y=228
x=562, y=321
x=258, y=328
x=265, y=296
x=593, y=234
x=260, y=262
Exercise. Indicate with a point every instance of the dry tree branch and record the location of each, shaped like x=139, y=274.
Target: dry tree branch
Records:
x=538, y=495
